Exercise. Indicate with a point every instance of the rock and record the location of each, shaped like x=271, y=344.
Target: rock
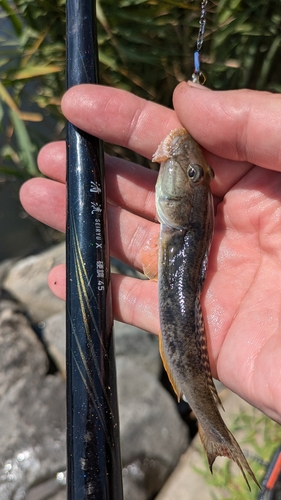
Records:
x=139, y=346
x=21, y=353
x=53, y=489
x=32, y=408
x=33, y=448
x=27, y=281
x=5, y=267
x=59, y=496
x=132, y=342
x=54, y=337
x=153, y=436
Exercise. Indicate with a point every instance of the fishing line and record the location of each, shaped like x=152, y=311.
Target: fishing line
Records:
x=198, y=76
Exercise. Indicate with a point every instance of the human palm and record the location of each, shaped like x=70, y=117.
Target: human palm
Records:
x=241, y=301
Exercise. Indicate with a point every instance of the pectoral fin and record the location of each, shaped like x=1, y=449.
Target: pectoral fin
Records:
x=149, y=258
x=168, y=369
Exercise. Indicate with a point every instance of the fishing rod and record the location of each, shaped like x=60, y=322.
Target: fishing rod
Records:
x=93, y=447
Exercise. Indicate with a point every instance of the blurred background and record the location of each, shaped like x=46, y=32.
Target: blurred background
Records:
x=146, y=47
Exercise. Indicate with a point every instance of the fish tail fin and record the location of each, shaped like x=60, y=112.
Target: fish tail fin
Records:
x=225, y=448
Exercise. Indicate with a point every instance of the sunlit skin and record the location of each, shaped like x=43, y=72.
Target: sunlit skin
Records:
x=240, y=132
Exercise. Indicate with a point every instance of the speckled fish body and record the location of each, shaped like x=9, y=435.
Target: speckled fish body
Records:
x=185, y=210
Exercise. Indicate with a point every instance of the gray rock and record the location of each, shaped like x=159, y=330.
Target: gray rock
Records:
x=59, y=496
x=54, y=333
x=5, y=267
x=52, y=489
x=153, y=436
x=32, y=404
x=32, y=408
x=21, y=352
x=139, y=346
x=33, y=445
x=152, y=433
x=27, y=281
x=131, y=342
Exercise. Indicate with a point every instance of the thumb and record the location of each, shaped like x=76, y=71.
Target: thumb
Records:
x=240, y=125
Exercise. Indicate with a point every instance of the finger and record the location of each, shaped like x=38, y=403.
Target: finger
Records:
x=45, y=200
x=241, y=125
x=57, y=281
x=52, y=161
x=131, y=186
x=141, y=126
x=128, y=185
x=227, y=173
x=129, y=233
x=119, y=117
x=134, y=301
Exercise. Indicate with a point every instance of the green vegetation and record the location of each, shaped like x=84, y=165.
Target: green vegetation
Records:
x=259, y=437
x=146, y=47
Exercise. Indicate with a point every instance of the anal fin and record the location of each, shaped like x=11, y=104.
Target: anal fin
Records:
x=169, y=372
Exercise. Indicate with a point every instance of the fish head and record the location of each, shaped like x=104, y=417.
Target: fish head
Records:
x=184, y=178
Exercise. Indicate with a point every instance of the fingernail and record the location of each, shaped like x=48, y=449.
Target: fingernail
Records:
x=197, y=85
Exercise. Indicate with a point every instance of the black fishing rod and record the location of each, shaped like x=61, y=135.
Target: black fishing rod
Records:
x=93, y=449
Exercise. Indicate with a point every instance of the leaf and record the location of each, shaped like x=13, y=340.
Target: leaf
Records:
x=17, y=25
x=34, y=71
x=5, y=96
x=25, y=147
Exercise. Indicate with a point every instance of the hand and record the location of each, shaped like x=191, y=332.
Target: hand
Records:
x=240, y=131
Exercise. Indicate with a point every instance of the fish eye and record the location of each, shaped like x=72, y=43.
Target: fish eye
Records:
x=195, y=172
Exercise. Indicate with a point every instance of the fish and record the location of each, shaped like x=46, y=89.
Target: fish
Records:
x=184, y=207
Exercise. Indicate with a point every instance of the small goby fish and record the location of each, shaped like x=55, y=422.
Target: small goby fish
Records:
x=185, y=211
